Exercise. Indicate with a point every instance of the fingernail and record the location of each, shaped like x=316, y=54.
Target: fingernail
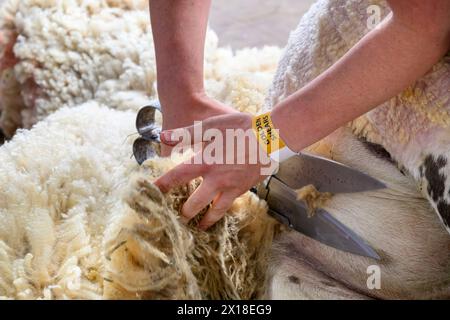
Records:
x=166, y=136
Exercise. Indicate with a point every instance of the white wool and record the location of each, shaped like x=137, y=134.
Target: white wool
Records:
x=59, y=185
x=62, y=181
x=61, y=206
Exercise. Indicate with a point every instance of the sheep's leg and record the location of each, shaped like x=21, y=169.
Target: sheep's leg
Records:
x=293, y=277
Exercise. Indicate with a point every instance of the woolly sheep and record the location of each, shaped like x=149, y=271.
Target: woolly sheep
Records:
x=39, y=184
x=411, y=123
x=397, y=222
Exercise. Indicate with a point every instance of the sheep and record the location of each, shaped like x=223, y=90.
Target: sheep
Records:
x=79, y=219
x=398, y=222
x=409, y=122
x=410, y=157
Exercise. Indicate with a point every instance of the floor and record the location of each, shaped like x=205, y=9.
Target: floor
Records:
x=249, y=23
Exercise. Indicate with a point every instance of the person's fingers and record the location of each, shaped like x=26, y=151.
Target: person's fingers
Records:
x=166, y=150
x=218, y=209
x=201, y=198
x=181, y=174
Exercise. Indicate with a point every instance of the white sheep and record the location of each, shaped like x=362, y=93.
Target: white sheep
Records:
x=61, y=213
x=398, y=222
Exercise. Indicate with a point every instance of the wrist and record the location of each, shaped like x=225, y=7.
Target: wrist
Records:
x=268, y=137
x=280, y=121
x=183, y=109
x=176, y=101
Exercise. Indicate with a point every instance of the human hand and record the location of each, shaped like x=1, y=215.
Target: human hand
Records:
x=226, y=174
x=181, y=112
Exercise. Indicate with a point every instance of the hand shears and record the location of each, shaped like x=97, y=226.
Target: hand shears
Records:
x=279, y=189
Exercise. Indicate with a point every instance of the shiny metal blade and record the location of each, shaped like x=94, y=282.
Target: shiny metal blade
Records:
x=322, y=227
x=146, y=121
x=144, y=149
x=148, y=145
x=326, y=175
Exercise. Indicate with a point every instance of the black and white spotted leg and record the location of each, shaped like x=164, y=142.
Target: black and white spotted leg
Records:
x=435, y=175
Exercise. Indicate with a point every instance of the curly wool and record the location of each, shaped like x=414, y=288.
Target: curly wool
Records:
x=72, y=51
x=59, y=183
x=156, y=256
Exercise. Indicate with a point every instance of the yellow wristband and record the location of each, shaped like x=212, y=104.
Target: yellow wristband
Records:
x=269, y=138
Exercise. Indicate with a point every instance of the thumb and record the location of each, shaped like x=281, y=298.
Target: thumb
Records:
x=169, y=137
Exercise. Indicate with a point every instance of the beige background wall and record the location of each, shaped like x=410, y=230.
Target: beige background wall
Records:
x=248, y=23
x=243, y=23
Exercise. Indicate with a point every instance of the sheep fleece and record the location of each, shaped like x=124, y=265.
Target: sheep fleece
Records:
x=79, y=219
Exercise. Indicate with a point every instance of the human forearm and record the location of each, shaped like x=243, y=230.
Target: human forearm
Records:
x=179, y=28
x=380, y=66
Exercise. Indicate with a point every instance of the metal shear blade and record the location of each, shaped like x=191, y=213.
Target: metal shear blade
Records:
x=147, y=145
x=326, y=175
x=322, y=227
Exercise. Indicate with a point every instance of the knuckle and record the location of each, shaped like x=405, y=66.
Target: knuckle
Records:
x=237, y=192
x=244, y=119
x=187, y=213
x=203, y=169
x=224, y=182
x=222, y=206
x=162, y=185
